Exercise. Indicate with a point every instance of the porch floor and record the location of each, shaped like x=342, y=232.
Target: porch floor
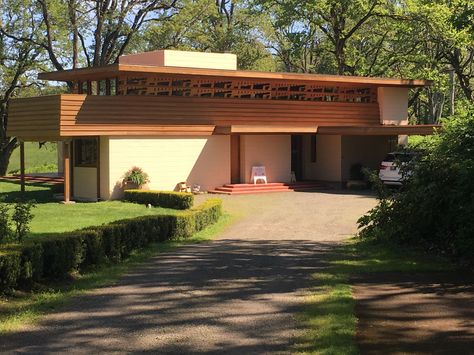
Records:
x=48, y=178
x=241, y=189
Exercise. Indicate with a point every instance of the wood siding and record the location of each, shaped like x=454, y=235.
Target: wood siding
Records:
x=34, y=118
x=70, y=115
x=99, y=115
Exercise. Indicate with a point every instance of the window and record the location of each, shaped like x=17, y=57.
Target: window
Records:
x=85, y=152
x=314, y=156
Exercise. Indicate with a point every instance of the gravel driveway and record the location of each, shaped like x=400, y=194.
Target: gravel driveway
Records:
x=235, y=295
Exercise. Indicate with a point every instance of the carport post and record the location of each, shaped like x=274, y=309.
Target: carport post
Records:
x=67, y=171
x=22, y=167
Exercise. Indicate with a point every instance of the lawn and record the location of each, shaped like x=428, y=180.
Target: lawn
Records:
x=37, y=160
x=50, y=216
x=329, y=314
x=26, y=308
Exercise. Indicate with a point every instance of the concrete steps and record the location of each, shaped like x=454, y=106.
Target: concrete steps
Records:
x=243, y=189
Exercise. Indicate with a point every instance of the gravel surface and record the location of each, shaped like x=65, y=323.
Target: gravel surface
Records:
x=235, y=295
x=424, y=313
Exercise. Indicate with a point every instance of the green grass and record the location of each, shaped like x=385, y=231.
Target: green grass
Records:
x=329, y=316
x=23, y=309
x=37, y=160
x=51, y=216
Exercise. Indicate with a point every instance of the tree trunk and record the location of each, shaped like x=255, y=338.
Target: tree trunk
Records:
x=5, y=155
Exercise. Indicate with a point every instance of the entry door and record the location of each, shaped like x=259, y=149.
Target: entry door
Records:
x=235, y=159
x=297, y=155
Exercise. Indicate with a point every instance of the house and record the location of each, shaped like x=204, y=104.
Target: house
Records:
x=190, y=116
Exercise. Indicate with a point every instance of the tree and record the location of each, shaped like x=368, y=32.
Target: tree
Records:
x=17, y=61
x=326, y=26
x=61, y=34
x=215, y=26
x=94, y=32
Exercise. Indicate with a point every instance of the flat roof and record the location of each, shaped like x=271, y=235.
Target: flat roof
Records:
x=109, y=71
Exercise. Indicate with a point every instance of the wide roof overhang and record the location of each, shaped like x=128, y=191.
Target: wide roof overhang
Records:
x=113, y=70
x=374, y=130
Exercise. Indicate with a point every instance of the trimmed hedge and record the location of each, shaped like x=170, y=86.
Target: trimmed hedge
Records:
x=167, y=199
x=60, y=254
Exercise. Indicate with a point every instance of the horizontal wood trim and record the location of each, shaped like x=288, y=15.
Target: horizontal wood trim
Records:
x=133, y=130
x=268, y=129
x=34, y=118
x=117, y=69
x=381, y=130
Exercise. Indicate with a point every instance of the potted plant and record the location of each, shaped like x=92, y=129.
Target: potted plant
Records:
x=135, y=178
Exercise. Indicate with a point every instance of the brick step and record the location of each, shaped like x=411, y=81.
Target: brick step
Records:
x=241, y=189
x=270, y=188
x=246, y=192
x=271, y=184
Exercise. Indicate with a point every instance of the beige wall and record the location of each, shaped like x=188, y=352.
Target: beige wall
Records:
x=85, y=183
x=104, y=168
x=173, y=58
x=271, y=151
x=393, y=105
x=368, y=151
x=328, y=158
x=168, y=161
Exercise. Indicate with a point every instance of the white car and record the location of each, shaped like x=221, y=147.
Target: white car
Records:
x=389, y=171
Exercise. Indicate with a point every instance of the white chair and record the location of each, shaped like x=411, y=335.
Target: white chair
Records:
x=258, y=173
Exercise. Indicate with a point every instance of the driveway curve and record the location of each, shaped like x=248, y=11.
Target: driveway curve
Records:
x=238, y=294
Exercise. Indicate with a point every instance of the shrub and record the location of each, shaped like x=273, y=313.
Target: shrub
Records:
x=22, y=217
x=5, y=229
x=435, y=205
x=167, y=199
x=136, y=176
x=10, y=269
x=57, y=255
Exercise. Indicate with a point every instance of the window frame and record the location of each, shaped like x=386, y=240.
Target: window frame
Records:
x=78, y=152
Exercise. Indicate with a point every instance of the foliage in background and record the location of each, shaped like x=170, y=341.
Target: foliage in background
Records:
x=408, y=39
x=213, y=26
x=435, y=205
x=39, y=158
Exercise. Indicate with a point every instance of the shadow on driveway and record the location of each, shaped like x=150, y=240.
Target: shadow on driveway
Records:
x=237, y=296
x=415, y=313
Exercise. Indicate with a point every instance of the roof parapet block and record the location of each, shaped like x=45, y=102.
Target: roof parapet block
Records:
x=186, y=59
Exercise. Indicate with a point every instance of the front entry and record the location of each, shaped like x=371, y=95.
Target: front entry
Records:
x=235, y=159
x=297, y=156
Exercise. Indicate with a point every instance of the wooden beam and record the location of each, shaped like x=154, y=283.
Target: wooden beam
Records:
x=381, y=130
x=272, y=129
x=22, y=167
x=67, y=171
x=112, y=70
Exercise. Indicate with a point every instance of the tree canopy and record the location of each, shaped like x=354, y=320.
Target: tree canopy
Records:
x=419, y=39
